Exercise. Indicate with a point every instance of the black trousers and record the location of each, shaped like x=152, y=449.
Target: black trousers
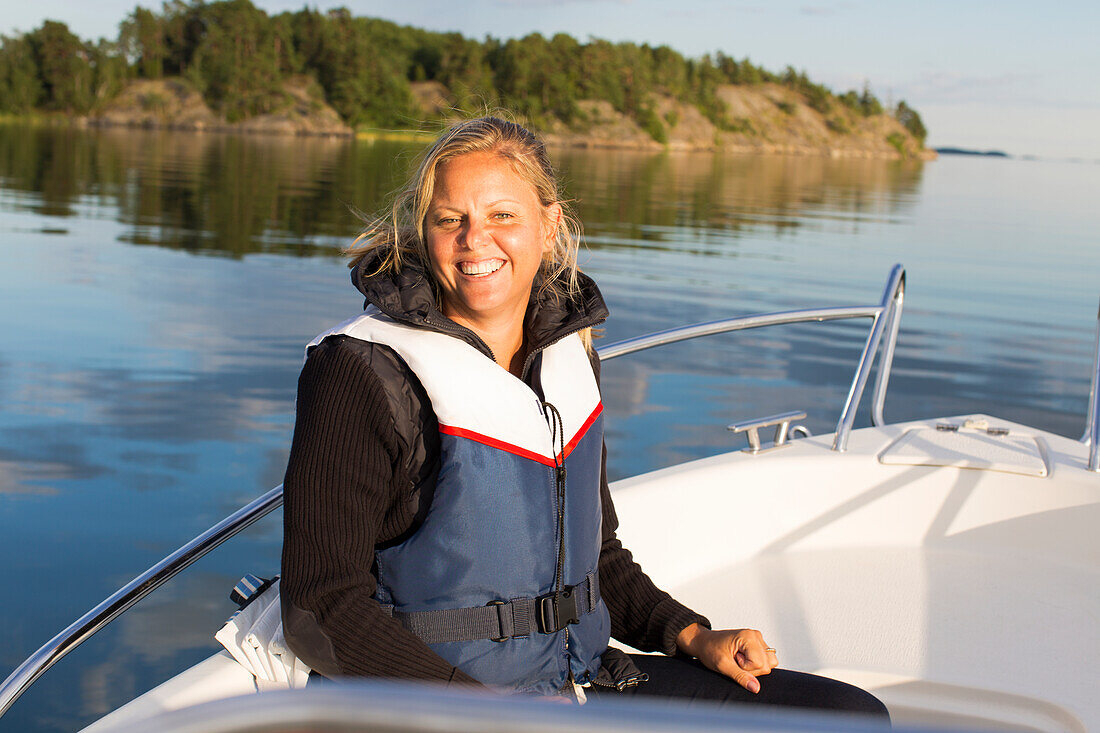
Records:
x=687, y=679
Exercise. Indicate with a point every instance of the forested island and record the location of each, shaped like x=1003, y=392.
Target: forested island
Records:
x=228, y=65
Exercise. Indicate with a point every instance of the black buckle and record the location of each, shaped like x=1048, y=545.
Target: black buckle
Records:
x=554, y=611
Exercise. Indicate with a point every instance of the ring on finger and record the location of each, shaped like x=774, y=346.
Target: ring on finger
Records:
x=770, y=649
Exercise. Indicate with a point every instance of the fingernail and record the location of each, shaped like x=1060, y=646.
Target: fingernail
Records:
x=754, y=686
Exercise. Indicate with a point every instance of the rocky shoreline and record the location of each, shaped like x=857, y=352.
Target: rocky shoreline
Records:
x=173, y=104
x=764, y=119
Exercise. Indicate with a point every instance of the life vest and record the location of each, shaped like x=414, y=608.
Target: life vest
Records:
x=500, y=578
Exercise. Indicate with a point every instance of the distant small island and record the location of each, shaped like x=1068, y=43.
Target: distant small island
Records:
x=229, y=66
x=965, y=151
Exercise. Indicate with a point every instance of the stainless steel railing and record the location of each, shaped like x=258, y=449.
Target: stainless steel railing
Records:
x=887, y=318
x=1091, y=438
x=885, y=321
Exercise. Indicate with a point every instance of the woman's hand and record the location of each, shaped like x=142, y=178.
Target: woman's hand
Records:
x=740, y=654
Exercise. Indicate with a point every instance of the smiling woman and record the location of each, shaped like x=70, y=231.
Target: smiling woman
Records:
x=447, y=511
x=484, y=211
x=487, y=235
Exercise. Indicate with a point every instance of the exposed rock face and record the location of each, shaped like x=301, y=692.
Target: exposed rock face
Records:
x=605, y=127
x=768, y=118
x=433, y=98
x=158, y=103
x=175, y=105
x=305, y=114
x=773, y=118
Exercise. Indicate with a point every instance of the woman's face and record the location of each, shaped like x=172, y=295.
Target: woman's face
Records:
x=487, y=233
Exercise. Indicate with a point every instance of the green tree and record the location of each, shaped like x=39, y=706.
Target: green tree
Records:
x=534, y=77
x=361, y=65
x=184, y=29
x=20, y=87
x=109, y=70
x=464, y=69
x=671, y=73
x=850, y=99
x=869, y=105
x=911, y=121
x=142, y=35
x=63, y=68
x=705, y=79
x=240, y=59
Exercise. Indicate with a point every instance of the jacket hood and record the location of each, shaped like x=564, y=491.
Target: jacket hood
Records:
x=407, y=297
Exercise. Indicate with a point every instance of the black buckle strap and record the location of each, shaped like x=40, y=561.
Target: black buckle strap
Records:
x=554, y=611
x=503, y=620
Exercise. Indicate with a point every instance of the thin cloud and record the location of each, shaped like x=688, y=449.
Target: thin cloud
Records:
x=826, y=10
x=952, y=87
x=706, y=15
x=543, y=3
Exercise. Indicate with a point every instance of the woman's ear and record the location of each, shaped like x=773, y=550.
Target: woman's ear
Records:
x=553, y=222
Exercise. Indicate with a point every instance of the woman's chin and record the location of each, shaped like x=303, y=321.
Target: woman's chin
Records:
x=484, y=308
x=484, y=300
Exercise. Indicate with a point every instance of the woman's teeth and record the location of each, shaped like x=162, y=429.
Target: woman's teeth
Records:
x=485, y=267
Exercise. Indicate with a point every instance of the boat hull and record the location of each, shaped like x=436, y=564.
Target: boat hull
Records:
x=962, y=593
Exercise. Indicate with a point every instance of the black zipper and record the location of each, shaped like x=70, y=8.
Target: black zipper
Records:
x=557, y=433
x=628, y=682
x=448, y=326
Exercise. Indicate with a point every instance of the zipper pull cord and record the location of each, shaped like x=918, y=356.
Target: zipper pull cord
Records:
x=557, y=438
x=557, y=444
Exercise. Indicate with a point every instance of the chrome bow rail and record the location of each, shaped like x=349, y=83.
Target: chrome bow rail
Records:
x=886, y=319
x=1091, y=438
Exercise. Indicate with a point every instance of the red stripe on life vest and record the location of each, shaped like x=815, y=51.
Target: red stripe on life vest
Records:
x=515, y=449
x=581, y=433
x=494, y=443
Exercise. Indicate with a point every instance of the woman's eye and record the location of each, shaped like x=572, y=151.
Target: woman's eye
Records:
x=502, y=215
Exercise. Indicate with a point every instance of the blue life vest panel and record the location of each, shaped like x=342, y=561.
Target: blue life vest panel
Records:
x=491, y=533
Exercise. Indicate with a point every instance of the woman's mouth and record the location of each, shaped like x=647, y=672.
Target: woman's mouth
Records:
x=480, y=269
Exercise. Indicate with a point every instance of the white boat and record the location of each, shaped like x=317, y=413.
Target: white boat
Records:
x=949, y=565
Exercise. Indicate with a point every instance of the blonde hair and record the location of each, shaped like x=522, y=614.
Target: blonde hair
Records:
x=398, y=235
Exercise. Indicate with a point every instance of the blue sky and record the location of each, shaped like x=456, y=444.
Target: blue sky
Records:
x=1011, y=75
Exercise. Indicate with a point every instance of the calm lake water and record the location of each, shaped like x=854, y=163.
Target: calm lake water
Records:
x=156, y=291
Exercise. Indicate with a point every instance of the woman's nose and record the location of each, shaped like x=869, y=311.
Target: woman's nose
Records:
x=475, y=235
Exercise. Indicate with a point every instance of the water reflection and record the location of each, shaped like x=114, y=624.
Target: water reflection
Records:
x=212, y=192
x=243, y=194
x=649, y=199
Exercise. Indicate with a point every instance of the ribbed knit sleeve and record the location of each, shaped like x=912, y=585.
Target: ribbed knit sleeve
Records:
x=344, y=492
